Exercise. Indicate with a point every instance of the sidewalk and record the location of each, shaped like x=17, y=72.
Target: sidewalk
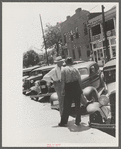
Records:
x=36, y=125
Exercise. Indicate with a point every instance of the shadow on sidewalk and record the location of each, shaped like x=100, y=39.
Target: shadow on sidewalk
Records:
x=73, y=128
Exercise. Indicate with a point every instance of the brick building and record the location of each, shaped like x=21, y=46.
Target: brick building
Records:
x=75, y=37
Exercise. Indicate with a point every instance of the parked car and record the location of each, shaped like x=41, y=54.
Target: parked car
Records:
x=77, y=62
x=37, y=74
x=92, y=80
x=91, y=77
x=108, y=125
x=43, y=70
x=27, y=71
x=74, y=62
x=109, y=72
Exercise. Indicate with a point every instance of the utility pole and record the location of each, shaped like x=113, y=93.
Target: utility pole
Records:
x=105, y=35
x=44, y=39
x=89, y=28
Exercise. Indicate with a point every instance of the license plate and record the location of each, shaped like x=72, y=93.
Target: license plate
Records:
x=55, y=102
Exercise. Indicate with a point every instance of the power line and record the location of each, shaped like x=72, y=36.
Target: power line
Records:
x=93, y=7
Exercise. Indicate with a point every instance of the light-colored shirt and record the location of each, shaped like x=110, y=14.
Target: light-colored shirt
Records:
x=70, y=74
x=53, y=75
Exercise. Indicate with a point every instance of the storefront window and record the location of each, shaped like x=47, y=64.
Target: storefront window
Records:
x=95, y=54
x=100, y=54
x=88, y=53
x=73, y=54
x=94, y=46
x=104, y=43
x=113, y=41
x=114, y=51
x=79, y=51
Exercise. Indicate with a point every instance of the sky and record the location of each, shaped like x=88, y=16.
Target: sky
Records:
x=21, y=21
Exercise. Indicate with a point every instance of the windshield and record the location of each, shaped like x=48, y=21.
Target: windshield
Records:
x=83, y=71
x=35, y=73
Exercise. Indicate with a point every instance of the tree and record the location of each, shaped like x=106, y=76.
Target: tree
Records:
x=53, y=36
x=30, y=58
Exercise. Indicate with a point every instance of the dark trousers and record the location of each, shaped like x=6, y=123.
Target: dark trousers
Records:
x=72, y=93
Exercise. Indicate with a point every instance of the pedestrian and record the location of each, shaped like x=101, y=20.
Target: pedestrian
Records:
x=55, y=76
x=71, y=90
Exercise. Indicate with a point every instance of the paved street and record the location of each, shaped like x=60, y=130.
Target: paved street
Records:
x=30, y=123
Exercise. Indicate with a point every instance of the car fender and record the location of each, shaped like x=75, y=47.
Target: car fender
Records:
x=91, y=93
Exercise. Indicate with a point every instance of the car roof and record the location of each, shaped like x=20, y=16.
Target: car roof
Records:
x=30, y=68
x=84, y=64
x=44, y=68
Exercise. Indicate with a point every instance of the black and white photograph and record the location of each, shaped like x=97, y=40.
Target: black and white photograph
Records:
x=60, y=74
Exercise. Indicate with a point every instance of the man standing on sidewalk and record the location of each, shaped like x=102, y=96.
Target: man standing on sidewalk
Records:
x=71, y=89
x=55, y=76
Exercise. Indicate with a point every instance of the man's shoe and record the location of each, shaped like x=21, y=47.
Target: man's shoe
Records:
x=62, y=125
x=77, y=123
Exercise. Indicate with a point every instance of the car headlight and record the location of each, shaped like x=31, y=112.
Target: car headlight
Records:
x=103, y=100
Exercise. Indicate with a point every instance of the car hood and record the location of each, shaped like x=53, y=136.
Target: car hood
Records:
x=34, y=77
x=111, y=87
x=84, y=77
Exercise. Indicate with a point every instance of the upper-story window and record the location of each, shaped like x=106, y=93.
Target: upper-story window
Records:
x=88, y=53
x=64, y=38
x=77, y=33
x=72, y=38
x=109, y=25
x=96, y=30
x=85, y=28
x=113, y=41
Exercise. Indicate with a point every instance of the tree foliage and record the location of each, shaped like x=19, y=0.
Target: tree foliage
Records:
x=30, y=58
x=53, y=36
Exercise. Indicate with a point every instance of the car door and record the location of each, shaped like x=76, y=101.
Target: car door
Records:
x=94, y=76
